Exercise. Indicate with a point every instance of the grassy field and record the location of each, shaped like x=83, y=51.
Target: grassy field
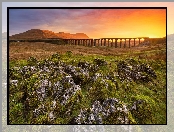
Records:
x=41, y=50
x=66, y=84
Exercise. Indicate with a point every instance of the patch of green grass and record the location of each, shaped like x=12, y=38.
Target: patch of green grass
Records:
x=24, y=99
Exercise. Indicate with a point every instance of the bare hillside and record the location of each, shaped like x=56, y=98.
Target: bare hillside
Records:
x=35, y=34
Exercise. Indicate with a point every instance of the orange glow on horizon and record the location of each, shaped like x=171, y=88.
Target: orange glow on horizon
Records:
x=134, y=23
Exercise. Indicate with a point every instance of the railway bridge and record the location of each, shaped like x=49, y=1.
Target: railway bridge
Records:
x=109, y=42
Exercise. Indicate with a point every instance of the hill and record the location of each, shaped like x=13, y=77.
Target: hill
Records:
x=170, y=37
x=4, y=35
x=72, y=36
x=35, y=34
x=44, y=34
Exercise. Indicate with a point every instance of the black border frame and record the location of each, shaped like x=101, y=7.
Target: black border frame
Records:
x=8, y=8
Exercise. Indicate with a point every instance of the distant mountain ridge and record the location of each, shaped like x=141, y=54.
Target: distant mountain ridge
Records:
x=4, y=35
x=75, y=36
x=44, y=34
x=170, y=37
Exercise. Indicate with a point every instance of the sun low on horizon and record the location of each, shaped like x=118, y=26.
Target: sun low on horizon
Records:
x=95, y=23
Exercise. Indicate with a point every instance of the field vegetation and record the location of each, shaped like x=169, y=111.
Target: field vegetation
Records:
x=67, y=84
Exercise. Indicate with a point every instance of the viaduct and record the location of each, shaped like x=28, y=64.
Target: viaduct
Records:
x=109, y=42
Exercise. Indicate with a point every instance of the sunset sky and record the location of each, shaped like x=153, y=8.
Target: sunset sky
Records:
x=96, y=23
x=26, y=20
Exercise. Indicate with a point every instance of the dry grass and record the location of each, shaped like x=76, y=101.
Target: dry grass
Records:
x=41, y=50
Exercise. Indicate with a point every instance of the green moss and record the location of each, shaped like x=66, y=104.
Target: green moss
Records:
x=108, y=85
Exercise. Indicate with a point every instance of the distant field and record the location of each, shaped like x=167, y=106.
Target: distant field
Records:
x=40, y=50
